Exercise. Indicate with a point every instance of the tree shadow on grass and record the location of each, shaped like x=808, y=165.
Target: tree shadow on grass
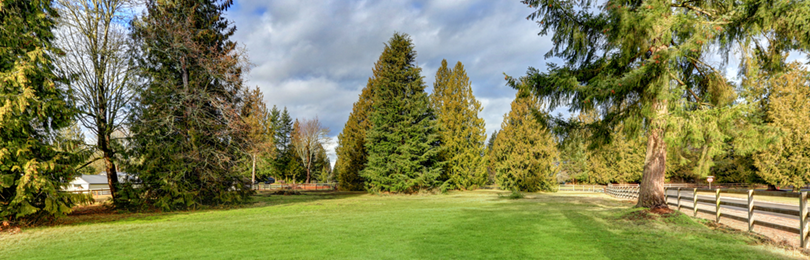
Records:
x=102, y=213
x=552, y=227
x=619, y=238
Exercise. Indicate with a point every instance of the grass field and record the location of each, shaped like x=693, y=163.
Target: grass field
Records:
x=461, y=225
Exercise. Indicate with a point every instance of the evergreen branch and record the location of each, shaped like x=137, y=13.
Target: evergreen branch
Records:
x=684, y=84
x=693, y=8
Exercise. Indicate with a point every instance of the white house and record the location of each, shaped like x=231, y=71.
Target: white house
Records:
x=95, y=184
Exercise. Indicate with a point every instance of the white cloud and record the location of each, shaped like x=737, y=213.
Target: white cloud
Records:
x=314, y=57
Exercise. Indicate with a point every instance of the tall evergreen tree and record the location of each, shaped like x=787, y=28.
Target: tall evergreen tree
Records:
x=282, y=125
x=787, y=161
x=351, y=150
x=33, y=167
x=648, y=57
x=402, y=143
x=186, y=129
x=489, y=160
x=462, y=131
x=525, y=153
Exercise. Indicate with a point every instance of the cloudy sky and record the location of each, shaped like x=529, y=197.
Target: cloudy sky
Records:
x=314, y=57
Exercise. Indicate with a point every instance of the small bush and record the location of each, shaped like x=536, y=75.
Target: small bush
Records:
x=513, y=196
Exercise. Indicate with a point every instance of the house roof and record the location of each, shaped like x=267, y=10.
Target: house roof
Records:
x=102, y=178
x=94, y=179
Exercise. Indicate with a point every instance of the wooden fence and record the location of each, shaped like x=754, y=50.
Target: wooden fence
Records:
x=631, y=192
x=586, y=188
x=623, y=191
x=94, y=192
x=302, y=186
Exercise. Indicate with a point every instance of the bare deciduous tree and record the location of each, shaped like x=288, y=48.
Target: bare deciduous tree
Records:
x=308, y=137
x=93, y=35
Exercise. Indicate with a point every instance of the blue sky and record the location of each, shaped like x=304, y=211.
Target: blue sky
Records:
x=314, y=57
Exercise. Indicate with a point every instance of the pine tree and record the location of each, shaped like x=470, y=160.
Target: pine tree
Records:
x=461, y=131
x=645, y=56
x=33, y=166
x=525, y=153
x=402, y=143
x=187, y=132
x=787, y=161
x=351, y=150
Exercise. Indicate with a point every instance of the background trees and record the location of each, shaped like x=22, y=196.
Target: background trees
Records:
x=259, y=144
x=93, y=36
x=402, y=143
x=787, y=161
x=187, y=132
x=524, y=154
x=462, y=132
x=34, y=159
x=307, y=140
x=351, y=151
x=282, y=125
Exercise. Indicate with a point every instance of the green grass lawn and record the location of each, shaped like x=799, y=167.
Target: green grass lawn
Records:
x=460, y=225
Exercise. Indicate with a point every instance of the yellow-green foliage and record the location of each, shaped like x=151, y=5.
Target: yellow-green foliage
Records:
x=787, y=161
x=351, y=151
x=621, y=161
x=461, y=130
x=33, y=169
x=524, y=152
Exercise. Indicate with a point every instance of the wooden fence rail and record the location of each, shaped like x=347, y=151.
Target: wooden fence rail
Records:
x=631, y=192
x=303, y=186
x=582, y=187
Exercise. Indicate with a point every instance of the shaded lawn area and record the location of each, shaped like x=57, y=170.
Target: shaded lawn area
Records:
x=460, y=225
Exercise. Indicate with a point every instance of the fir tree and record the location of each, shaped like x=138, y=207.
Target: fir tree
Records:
x=187, y=132
x=462, y=132
x=488, y=158
x=282, y=125
x=649, y=57
x=33, y=163
x=351, y=150
x=402, y=143
x=525, y=154
x=787, y=161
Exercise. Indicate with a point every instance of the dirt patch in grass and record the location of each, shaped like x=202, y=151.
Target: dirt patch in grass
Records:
x=92, y=210
x=7, y=228
x=649, y=214
x=286, y=192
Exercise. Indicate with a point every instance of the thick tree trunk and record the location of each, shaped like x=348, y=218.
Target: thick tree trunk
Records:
x=651, y=193
x=253, y=172
x=112, y=172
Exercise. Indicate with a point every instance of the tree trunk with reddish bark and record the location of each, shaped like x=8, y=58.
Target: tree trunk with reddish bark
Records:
x=651, y=191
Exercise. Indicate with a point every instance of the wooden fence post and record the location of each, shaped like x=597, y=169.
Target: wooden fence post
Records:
x=803, y=219
x=717, y=201
x=679, y=199
x=750, y=210
x=694, y=203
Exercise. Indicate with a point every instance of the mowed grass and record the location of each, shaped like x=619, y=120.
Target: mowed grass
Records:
x=459, y=225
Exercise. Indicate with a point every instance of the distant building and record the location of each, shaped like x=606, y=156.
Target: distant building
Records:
x=95, y=184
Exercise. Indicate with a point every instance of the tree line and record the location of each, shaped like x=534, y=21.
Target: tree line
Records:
x=399, y=139
x=161, y=94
